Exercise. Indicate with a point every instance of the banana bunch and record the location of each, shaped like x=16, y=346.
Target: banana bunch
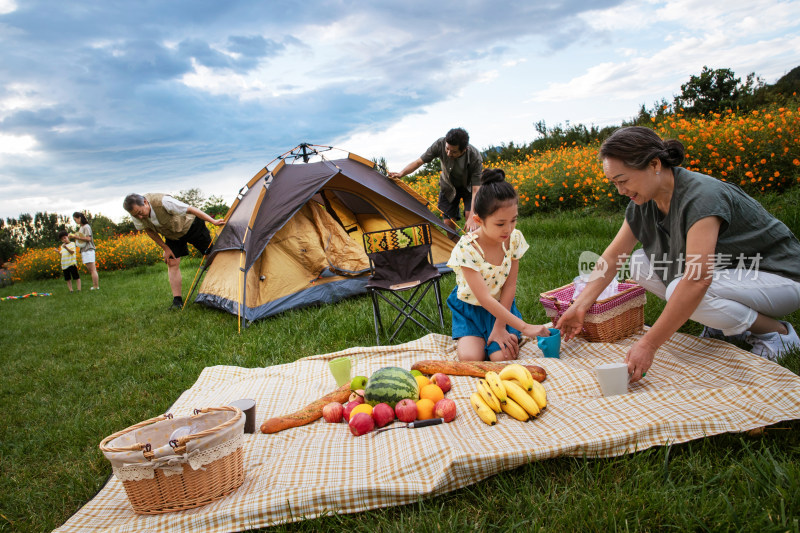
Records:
x=513, y=391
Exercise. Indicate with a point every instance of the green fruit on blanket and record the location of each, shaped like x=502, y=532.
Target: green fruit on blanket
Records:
x=358, y=382
x=416, y=372
x=390, y=385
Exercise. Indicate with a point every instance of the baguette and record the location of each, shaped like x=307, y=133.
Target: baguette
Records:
x=307, y=414
x=474, y=368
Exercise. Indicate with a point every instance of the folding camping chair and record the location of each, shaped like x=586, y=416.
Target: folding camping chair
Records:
x=400, y=260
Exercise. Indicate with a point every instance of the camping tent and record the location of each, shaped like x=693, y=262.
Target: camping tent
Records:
x=292, y=237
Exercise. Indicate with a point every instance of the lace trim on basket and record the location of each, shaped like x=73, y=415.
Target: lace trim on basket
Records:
x=173, y=464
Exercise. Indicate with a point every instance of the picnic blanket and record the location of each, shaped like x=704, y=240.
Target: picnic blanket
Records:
x=696, y=388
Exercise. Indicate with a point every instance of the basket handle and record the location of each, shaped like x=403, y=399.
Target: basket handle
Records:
x=136, y=446
x=209, y=431
x=559, y=311
x=181, y=443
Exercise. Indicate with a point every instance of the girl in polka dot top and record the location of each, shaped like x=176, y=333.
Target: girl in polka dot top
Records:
x=486, y=321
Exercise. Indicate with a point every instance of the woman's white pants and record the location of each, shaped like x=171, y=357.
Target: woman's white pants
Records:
x=734, y=298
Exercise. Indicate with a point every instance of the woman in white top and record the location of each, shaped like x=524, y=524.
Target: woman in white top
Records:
x=85, y=241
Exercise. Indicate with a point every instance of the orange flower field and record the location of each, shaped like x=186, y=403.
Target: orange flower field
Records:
x=123, y=251
x=759, y=151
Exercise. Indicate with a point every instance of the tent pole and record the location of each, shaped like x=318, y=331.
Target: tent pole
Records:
x=195, y=282
x=244, y=294
x=240, y=301
x=193, y=286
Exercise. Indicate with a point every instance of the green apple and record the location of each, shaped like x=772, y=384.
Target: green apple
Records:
x=358, y=382
x=416, y=373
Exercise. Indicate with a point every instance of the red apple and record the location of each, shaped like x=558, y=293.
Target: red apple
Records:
x=382, y=414
x=357, y=396
x=333, y=412
x=445, y=408
x=443, y=381
x=348, y=407
x=406, y=410
x=361, y=423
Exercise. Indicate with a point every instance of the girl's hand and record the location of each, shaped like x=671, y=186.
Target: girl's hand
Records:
x=509, y=343
x=533, y=331
x=639, y=359
x=571, y=323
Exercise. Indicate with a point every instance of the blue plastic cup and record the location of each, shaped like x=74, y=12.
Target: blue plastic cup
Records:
x=550, y=346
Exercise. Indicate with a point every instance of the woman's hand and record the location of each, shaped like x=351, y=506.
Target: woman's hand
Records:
x=509, y=343
x=640, y=359
x=571, y=323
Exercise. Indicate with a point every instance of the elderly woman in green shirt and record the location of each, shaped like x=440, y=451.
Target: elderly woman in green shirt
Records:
x=710, y=250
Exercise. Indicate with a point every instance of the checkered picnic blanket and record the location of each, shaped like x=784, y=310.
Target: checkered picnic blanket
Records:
x=696, y=388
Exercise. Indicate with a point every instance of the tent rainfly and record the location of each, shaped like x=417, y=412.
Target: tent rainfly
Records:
x=293, y=236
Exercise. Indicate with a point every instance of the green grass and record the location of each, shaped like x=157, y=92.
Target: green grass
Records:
x=79, y=367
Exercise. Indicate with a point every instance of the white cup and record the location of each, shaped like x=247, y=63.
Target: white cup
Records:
x=613, y=378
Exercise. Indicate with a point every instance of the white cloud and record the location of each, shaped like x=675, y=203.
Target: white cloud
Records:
x=766, y=17
x=21, y=96
x=224, y=82
x=380, y=81
x=7, y=6
x=625, y=17
x=670, y=66
x=514, y=62
x=488, y=76
x=17, y=144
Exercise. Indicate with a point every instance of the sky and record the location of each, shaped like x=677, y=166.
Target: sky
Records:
x=101, y=99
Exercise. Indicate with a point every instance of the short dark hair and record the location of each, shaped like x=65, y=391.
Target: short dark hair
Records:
x=62, y=234
x=494, y=192
x=457, y=137
x=636, y=146
x=131, y=199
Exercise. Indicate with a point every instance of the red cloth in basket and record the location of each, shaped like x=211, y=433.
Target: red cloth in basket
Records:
x=606, y=320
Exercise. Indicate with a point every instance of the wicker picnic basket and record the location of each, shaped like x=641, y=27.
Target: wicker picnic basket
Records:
x=606, y=320
x=161, y=475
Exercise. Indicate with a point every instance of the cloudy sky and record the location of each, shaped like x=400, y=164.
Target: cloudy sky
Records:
x=99, y=99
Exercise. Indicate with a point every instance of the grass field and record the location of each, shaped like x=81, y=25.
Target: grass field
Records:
x=78, y=367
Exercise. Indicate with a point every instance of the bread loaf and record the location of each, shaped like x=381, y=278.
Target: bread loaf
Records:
x=307, y=414
x=474, y=368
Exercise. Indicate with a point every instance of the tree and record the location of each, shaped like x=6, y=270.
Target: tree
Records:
x=646, y=117
x=380, y=165
x=216, y=207
x=8, y=245
x=716, y=90
x=38, y=231
x=193, y=197
x=126, y=226
x=102, y=227
x=549, y=139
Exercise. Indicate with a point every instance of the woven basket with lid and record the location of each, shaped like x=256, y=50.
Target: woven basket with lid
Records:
x=607, y=320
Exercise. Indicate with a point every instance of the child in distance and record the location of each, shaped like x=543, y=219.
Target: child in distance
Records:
x=69, y=262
